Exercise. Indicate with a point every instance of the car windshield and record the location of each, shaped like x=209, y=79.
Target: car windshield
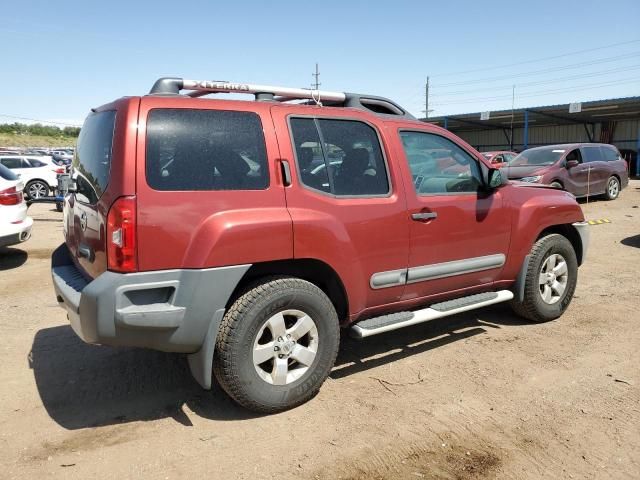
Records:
x=538, y=156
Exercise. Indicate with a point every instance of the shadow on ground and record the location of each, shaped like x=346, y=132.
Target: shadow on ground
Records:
x=633, y=241
x=83, y=386
x=11, y=258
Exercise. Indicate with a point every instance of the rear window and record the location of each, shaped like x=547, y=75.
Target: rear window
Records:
x=205, y=150
x=610, y=154
x=7, y=174
x=92, y=161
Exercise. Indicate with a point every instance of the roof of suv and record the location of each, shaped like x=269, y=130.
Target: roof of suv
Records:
x=168, y=86
x=566, y=146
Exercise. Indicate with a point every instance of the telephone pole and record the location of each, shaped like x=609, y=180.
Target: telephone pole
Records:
x=426, y=99
x=316, y=84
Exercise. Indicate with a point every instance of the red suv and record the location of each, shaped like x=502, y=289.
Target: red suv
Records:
x=584, y=169
x=246, y=233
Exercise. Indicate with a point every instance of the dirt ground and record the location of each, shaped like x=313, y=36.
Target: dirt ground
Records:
x=478, y=395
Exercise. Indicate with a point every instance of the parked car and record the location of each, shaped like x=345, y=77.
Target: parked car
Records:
x=584, y=169
x=15, y=225
x=39, y=174
x=62, y=156
x=499, y=158
x=201, y=226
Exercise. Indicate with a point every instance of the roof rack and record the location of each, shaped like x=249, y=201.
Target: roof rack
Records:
x=199, y=88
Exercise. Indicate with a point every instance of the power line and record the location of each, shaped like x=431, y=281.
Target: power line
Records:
x=38, y=120
x=544, y=82
x=484, y=69
x=546, y=70
x=539, y=93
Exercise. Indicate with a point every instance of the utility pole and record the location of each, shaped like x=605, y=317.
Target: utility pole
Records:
x=426, y=99
x=513, y=102
x=316, y=84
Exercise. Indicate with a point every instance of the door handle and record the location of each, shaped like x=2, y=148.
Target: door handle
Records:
x=424, y=216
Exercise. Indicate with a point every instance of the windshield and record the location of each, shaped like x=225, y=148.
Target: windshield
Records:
x=543, y=156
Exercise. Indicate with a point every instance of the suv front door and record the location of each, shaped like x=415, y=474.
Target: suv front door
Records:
x=459, y=231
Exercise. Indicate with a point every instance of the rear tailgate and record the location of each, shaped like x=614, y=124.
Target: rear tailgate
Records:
x=104, y=154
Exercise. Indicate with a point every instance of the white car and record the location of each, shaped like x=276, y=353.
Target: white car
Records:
x=39, y=174
x=15, y=225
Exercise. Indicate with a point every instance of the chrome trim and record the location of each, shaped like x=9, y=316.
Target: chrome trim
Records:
x=456, y=267
x=583, y=230
x=392, y=278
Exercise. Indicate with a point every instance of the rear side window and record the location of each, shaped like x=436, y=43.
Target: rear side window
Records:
x=205, y=150
x=7, y=174
x=92, y=161
x=36, y=163
x=591, y=154
x=339, y=157
x=13, y=162
x=610, y=154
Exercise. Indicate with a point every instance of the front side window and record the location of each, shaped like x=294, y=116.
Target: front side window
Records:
x=205, y=150
x=438, y=165
x=339, y=157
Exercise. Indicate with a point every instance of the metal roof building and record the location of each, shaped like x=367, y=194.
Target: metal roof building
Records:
x=615, y=121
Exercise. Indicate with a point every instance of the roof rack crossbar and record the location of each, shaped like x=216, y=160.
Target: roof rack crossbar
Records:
x=203, y=87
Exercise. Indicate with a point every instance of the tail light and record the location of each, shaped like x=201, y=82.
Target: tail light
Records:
x=10, y=196
x=59, y=170
x=122, y=255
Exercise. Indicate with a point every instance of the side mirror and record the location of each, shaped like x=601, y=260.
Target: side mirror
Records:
x=496, y=178
x=572, y=163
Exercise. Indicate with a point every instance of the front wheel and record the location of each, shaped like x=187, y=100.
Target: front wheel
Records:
x=552, y=275
x=613, y=188
x=277, y=345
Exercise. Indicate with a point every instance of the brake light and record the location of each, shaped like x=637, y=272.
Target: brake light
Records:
x=10, y=196
x=121, y=236
x=59, y=170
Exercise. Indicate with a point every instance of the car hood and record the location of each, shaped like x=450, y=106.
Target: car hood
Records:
x=524, y=170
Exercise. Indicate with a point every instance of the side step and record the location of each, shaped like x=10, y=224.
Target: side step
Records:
x=393, y=321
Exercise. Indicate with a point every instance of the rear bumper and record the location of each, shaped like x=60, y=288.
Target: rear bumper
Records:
x=16, y=233
x=168, y=310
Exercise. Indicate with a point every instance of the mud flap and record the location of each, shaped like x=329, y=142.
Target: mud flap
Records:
x=518, y=288
x=201, y=362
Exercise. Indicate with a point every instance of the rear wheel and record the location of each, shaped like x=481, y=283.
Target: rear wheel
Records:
x=552, y=274
x=556, y=184
x=613, y=188
x=277, y=345
x=36, y=189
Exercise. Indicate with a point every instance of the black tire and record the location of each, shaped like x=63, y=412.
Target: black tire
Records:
x=613, y=189
x=533, y=307
x=39, y=185
x=556, y=185
x=59, y=207
x=234, y=361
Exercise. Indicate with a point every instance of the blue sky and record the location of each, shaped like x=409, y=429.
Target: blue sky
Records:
x=61, y=58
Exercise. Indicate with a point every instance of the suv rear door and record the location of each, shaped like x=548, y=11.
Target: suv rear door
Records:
x=103, y=168
x=346, y=200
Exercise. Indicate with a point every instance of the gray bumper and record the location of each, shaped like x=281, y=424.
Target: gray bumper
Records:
x=583, y=230
x=168, y=310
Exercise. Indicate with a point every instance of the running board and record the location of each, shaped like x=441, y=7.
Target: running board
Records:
x=393, y=321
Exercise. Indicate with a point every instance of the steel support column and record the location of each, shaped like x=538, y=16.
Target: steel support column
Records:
x=446, y=123
x=525, y=132
x=638, y=153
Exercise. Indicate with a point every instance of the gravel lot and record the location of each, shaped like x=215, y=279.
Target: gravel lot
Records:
x=478, y=395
